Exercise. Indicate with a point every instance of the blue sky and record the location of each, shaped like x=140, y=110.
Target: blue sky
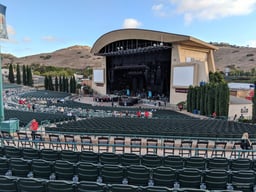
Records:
x=44, y=26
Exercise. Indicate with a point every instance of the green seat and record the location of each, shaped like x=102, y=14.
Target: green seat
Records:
x=164, y=176
x=31, y=185
x=191, y=178
x=217, y=163
x=69, y=155
x=173, y=161
x=122, y=188
x=216, y=179
x=8, y=184
x=109, y=158
x=49, y=154
x=138, y=175
x=30, y=153
x=86, y=186
x=57, y=186
x=89, y=157
x=151, y=160
x=41, y=168
x=195, y=162
x=243, y=180
x=4, y=165
x=87, y=171
x=112, y=174
x=19, y=167
x=128, y=159
x=64, y=170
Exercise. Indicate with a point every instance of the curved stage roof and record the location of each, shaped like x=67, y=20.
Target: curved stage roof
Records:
x=126, y=34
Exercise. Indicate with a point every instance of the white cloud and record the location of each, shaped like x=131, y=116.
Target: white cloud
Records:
x=206, y=9
x=131, y=23
x=252, y=43
x=49, y=38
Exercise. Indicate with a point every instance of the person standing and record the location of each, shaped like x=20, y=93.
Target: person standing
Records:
x=245, y=141
x=33, y=128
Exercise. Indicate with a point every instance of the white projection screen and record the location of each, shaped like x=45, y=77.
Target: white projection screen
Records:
x=183, y=76
x=98, y=75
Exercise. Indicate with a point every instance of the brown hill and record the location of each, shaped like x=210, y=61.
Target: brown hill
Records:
x=79, y=57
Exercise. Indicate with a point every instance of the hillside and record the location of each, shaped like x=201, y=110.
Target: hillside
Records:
x=79, y=57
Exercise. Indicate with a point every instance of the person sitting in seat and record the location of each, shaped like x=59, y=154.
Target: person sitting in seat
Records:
x=245, y=141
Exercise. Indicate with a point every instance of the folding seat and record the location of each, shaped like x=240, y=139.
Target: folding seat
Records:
x=185, y=149
x=57, y=186
x=88, y=186
x=138, y=175
x=8, y=138
x=109, y=158
x=69, y=155
x=86, y=143
x=195, y=162
x=201, y=148
x=103, y=144
x=150, y=160
x=12, y=152
x=87, y=171
x=64, y=170
x=39, y=141
x=55, y=142
x=219, y=149
x=19, y=167
x=70, y=142
x=164, y=176
x=216, y=179
x=151, y=145
x=251, y=153
x=23, y=140
x=169, y=147
x=155, y=189
x=112, y=174
x=191, y=178
x=217, y=163
x=243, y=180
x=173, y=161
x=135, y=145
x=42, y=169
x=30, y=153
x=8, y=184
x=4, y=165
x=127, y=159
x=123, y=188
x=49, y=154
x=119, y=144
x=240, y=164
x=31, y=185
x=89, y=157
x=237, y=152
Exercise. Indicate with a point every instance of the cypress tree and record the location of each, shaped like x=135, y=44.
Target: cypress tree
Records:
x=18, y=75
x=46, y=83
x=60, y=84
x=56, y=84
x=24, y=75
x=254, y=105
x=11, y=74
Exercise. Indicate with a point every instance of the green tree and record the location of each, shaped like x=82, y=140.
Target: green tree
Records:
x=24, y=75
x=56, y=84
x=254, y=104
x=46, y=83
x=18, y=75
x=11, y=74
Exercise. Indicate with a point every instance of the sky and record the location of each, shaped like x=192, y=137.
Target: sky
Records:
x=45, y=26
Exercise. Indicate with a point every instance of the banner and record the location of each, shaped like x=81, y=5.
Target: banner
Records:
x=3, y=29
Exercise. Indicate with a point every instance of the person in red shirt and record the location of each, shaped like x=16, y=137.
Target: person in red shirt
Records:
x=33, y=128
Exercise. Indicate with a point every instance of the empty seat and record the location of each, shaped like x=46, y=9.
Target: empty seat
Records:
x=112, y=174
x=135, y=145
x=151, y=146
x=30, y=153
x=216, y=179
x=87, y=171
x=173, y=161
x=42, y=169
x=217, y=163
x=49, y=154
x=8, y=138
x=19, y=167
x=127, y=159
x=185, y=149
x=164, y=176
x=39, y=141
x=8, y=184
x=31, y=185
x=202, y=148
x=150, y=160
x=119, y=144
x=89, y=156
x=103, y=144
x=123, y=188
x=109, y=158
x=191, y=178
x=240, y=164
x=195, y=162
x=55, y=142
x=70, y=143
x=87, y=186
x=57, y=186
x=219, y=149
x=64, y=170
x=12, y=152
x=4, y=165
x=69, y=155
x=237, y=152
x=23, y=140
x=243, y=180
x=169, y=147
x=86, y=143
x=138, y=175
